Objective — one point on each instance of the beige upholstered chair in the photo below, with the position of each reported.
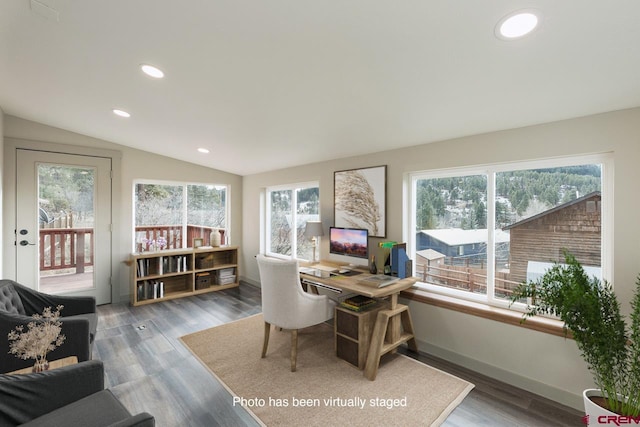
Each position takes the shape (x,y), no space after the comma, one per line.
(286,305)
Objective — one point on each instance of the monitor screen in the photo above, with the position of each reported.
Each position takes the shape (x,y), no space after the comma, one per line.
(349,245)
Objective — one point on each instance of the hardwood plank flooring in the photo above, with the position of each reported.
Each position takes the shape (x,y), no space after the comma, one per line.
(149,369)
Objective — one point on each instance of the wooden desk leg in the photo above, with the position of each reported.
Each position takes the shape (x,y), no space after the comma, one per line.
(387,336)
(393,300)
(393,327)
(407,326)
(393,330)
(375,346)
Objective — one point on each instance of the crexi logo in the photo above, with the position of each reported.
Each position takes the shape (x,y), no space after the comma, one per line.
(613,420)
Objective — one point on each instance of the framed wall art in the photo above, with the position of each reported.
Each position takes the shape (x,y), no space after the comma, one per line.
(360,199)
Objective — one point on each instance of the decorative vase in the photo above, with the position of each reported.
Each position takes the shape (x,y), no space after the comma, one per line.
(215,238)
(373,268)
(41,365)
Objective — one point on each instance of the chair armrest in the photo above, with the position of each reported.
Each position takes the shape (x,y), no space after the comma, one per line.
(143,419)
(35,302)
(77,342)
(24,397)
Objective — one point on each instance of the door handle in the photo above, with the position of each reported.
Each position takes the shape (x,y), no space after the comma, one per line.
(26,243)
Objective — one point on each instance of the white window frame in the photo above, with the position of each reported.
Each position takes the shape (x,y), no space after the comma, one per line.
(607,232)
(294,203)
(183,184)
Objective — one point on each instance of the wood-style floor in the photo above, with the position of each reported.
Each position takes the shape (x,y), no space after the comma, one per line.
(149,369)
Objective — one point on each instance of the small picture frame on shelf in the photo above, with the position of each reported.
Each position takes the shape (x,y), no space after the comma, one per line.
(198,242)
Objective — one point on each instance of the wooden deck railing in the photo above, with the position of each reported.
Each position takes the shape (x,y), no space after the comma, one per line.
(467,279)
(68,248)
(173,235)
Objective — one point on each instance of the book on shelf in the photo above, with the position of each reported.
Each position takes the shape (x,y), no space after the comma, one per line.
(358,303)
(143,267)
(175,264)
(149,289)
(226,272)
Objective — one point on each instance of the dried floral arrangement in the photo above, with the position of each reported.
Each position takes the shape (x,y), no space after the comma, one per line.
(41,337)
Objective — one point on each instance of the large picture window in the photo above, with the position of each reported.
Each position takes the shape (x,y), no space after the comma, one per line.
(288,210)
(171,215)
(478,232)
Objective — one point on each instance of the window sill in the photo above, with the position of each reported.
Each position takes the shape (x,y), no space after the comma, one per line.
(540,324)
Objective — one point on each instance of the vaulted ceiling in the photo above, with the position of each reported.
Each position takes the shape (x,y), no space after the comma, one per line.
(270,84)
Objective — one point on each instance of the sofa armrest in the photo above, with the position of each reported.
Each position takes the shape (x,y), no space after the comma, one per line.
(24,397)
(143,419)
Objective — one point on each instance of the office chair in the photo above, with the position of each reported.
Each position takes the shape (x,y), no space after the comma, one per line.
(286,305)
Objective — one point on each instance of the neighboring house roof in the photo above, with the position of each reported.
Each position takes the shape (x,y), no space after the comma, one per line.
(458,236)
(552,210)
(430,254)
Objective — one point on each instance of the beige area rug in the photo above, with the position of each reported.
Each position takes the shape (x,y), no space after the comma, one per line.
(325,391)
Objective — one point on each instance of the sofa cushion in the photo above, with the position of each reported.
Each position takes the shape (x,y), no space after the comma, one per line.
(10,301)
(97,410)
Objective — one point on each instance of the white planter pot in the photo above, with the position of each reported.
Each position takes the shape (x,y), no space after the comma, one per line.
(596,415)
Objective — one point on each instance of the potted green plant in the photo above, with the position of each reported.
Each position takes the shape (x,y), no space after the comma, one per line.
(590,310)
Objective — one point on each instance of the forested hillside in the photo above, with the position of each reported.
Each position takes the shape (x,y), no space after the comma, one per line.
(461,202)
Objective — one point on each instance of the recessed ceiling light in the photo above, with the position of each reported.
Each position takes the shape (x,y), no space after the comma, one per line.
(203,150)
(518,24)
(152,71)
(121,113)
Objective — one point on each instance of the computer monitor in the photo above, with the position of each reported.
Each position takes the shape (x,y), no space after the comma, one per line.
(349,245)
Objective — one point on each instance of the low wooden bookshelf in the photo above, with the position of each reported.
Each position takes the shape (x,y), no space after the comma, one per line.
(169,274)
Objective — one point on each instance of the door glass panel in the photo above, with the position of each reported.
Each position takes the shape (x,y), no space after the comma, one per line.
(66,227)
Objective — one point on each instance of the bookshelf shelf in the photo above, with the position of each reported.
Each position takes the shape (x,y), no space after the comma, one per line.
(164,275)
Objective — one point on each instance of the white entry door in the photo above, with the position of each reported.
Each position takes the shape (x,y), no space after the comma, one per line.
(63,223)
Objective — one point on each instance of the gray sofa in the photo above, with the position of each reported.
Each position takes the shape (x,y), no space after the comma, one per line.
(79,322)
(70,396)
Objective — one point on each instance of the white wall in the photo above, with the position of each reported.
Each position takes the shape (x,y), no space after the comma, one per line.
(131,164)
(546,364)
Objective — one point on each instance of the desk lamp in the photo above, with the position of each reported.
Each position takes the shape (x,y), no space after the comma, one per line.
(312,231)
